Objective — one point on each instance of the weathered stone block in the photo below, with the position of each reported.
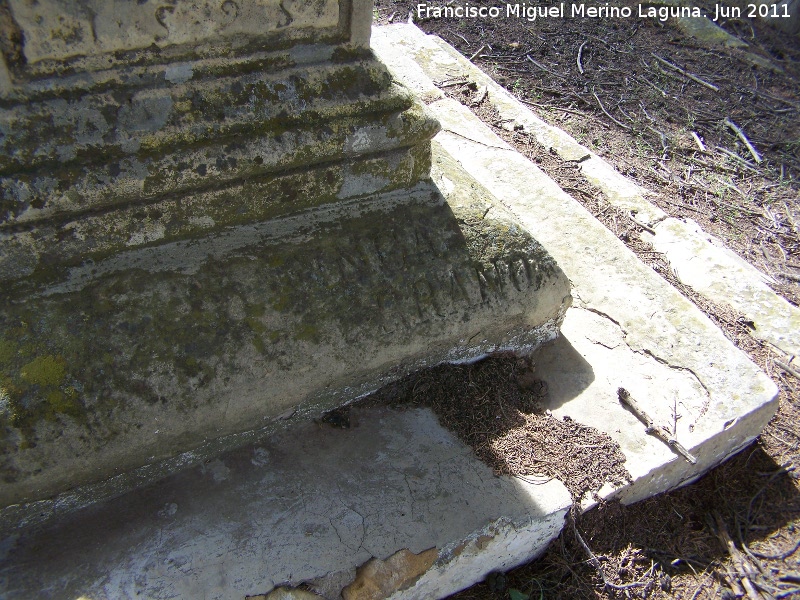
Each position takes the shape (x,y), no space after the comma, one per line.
(212,216)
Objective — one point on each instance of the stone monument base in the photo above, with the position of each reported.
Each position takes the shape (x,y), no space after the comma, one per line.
(150,360)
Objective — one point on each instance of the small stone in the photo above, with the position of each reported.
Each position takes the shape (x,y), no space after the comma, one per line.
(665,581)
(496,581)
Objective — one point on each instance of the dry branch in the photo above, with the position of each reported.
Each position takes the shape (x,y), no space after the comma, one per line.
(474,56)
(543,68)
(603,108)
(661,432)
(743,162)
(580,52)
(694,78)
(699,141)
(647,228)
(743,137)
(596,563)
(788,368)
(745,571)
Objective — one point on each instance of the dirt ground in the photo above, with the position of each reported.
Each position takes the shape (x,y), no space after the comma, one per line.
(664,109)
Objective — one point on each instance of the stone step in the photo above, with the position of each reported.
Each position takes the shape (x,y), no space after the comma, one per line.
(395,503)
(628,328)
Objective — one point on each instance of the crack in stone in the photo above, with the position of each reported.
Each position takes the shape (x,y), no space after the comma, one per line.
(584,306)
(648,352)
(461,135)
(362,517)
(706,402)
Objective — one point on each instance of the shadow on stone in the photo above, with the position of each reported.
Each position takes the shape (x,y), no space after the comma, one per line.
(307,502)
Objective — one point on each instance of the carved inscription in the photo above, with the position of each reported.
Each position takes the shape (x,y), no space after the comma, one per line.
(399,278)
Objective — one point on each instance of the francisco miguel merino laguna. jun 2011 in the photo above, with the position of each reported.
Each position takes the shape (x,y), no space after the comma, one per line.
(604,11)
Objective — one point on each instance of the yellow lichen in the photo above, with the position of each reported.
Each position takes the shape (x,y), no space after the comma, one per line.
(44,370)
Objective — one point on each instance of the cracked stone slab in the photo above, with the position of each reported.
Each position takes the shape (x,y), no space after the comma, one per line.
(628,327)
(310,504)
(702,264)
(701,261)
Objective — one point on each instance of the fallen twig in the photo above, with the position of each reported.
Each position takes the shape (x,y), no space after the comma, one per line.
(744,570)
(664,143)
(568,188)
(647,228)
(580,52)
(699,141)
(731,186)
(457,81)
(744,163)
(660,432)
(743,137)
(694,78)
(566,110)
(788,368)
(596,563)
(652,85)
(699,588)
(474,56)
(543,68)
(781,556)
(681,205)
(458,35)
(603,108)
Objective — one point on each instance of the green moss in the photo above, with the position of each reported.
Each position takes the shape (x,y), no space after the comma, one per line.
(44,371)
(282,303)
(255,325)
(256,310)
(7,351)
(308,332)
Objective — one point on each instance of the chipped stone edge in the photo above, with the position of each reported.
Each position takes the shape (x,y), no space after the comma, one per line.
(499,546)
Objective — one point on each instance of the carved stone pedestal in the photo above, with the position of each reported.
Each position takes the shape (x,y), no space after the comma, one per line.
(216,215)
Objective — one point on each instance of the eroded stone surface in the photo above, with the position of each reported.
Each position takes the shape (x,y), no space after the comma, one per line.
(302,505)
(704,264)
(129,360)
(378,579)
(205,228)
(59,29)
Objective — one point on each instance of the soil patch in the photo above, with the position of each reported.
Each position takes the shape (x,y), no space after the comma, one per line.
(495,406)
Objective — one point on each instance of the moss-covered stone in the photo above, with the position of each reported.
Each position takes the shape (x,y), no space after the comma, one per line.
(44,371)
(144,336)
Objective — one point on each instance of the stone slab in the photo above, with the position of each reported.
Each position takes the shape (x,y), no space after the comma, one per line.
(628,327)
(309,504)
(702,264)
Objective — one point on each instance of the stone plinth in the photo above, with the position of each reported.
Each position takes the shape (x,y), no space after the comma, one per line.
(215,217)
